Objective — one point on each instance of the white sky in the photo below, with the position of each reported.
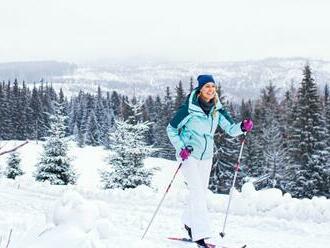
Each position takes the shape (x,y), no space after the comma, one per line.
(196,30)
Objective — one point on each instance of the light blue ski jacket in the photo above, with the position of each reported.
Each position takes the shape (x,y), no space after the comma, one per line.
(191,126)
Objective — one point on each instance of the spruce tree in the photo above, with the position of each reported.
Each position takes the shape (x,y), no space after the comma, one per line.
(54,165)
(271,137)
(162,142)
(327,114)
(93,133)
(13,166)
(275,156)
(191,85)
(149,107)
(180,96)
(309,156)
(116,103)
(36,120)
(3,113)
(128,150)
(225,157)
(7,128)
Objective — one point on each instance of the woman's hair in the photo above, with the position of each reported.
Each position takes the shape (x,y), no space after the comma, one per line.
(215,101)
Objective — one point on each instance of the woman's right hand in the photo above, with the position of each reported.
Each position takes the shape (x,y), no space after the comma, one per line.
(185,152)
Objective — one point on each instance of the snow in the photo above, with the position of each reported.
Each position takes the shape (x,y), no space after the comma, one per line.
(85,216)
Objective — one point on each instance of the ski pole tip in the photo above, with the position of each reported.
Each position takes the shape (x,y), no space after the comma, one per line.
(222,234)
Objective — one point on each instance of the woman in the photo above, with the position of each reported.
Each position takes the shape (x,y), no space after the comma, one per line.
(191,132)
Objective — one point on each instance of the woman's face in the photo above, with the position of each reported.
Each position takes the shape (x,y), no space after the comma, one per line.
(208,91)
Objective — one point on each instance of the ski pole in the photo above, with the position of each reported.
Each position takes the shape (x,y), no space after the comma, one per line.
(161,201)
(222,234)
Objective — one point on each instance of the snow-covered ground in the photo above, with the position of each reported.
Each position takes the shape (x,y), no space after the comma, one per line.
(39,215)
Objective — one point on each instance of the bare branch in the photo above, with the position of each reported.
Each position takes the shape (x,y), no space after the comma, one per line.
(11,231)
(14,149)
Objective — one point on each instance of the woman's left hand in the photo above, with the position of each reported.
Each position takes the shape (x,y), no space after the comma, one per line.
(247,125)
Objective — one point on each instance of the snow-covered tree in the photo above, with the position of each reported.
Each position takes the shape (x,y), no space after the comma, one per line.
(13,168)
(180,95)
(128,150)
(166,150)
(225,157)
(54,165)
(223,169)
(307,175)
(275,155)
(327,113)
(93,133)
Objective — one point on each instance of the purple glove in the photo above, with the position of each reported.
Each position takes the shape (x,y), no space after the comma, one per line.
(185,152)
(247,125)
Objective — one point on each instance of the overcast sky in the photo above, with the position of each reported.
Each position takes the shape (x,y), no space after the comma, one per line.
(189,30)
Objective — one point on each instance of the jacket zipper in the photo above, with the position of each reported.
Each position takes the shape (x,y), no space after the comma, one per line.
(206,139)
(204,147)
(211,124)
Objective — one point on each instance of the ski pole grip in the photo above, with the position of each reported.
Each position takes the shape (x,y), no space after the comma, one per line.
(190,148)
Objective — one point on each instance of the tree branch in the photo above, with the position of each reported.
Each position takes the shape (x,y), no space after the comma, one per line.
(14,149)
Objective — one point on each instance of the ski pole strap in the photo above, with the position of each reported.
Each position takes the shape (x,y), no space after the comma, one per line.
(237,165)
(243,140)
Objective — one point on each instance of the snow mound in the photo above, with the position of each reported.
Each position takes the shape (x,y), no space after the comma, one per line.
(75,224)
(272,203)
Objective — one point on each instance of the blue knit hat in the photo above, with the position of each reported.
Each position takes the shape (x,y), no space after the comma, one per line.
(204,79)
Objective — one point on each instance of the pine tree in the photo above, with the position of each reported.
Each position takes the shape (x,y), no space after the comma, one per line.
(13,166)
(180,96)
(129,149)
(162,142)
(15,111)
(271,137)
(116,103)
(307,176)
(36,120)
(93,133)
(225,158)
(7,131)
(261,146)
(149,108)
(275,155)
(25,112)
(86,107)
(191,88)
(63,100)
(3,113)
(54,165)
(327,114)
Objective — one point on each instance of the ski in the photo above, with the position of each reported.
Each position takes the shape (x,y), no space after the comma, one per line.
(190,241)
(209,245)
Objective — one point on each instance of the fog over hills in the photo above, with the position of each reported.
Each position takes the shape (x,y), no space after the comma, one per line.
(240,79)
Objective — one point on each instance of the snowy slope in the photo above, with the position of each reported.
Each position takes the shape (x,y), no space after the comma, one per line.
(84,216)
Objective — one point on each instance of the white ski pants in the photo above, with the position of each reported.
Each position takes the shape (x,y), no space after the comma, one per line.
(197,174)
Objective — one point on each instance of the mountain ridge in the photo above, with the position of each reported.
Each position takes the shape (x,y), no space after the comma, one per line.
(238,79)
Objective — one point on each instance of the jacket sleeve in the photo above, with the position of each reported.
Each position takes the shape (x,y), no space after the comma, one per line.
(177,122)
(228,124)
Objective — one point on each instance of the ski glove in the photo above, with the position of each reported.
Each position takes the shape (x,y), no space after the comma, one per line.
(247,125)
(185,152)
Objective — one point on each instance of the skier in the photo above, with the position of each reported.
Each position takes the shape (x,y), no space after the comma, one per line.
(191,132)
